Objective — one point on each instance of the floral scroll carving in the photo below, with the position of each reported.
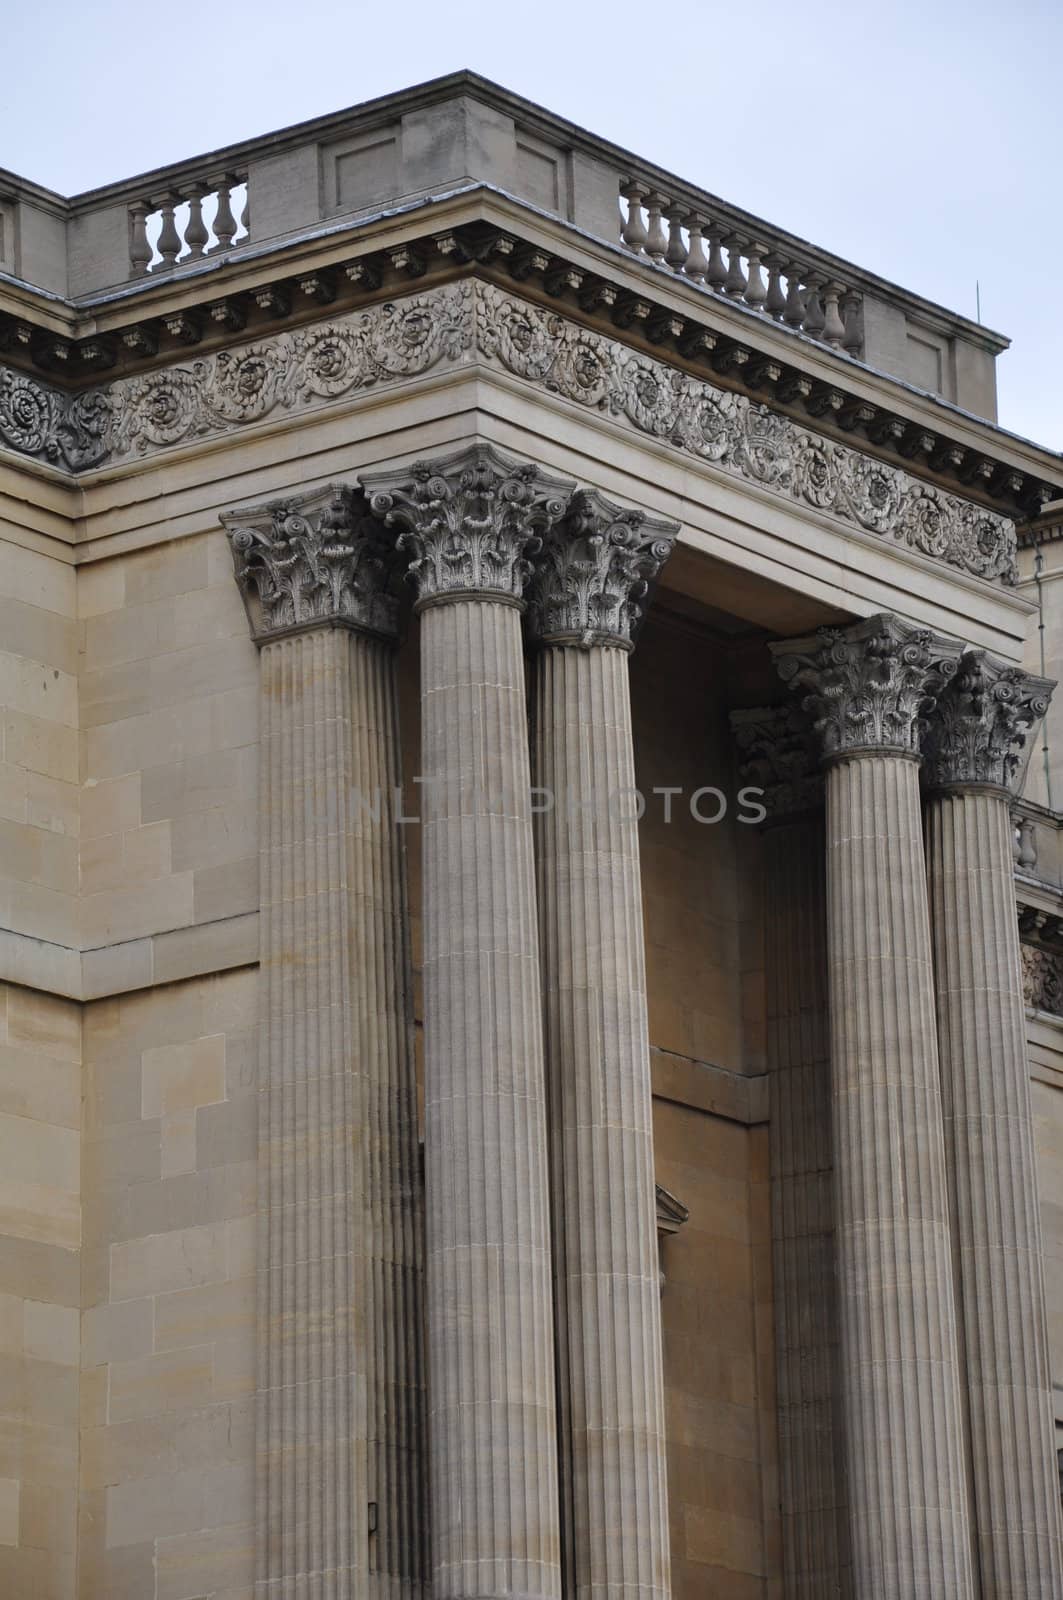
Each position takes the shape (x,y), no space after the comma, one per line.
(741,436)
(306,368)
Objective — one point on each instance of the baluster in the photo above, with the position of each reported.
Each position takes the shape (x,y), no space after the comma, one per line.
(735,282)
(756,289)
(852,315)
(697,261)
(717,273)
(245,214)
(224,221)
(140,251)
(196,233)
(676,254)
(633,233)
(168,243)
(833,326)
(775,300)
(814,318)
(794,312)
(656,243)
(1027,845)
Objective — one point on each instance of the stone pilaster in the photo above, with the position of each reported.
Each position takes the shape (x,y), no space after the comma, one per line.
(469,522)
(340,1416)
(586,598)
(972,749)
(776,754)
(866,688)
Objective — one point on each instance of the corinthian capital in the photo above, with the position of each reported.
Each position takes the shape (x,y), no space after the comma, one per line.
(869,686)
(590,581)
(470,521)
(777,754)
(978,730)
(313,560)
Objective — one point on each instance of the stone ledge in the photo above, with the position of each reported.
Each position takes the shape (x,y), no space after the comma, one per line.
(190,952)
(710,1088)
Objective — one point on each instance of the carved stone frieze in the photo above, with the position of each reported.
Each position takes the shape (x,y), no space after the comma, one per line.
(313,559)
(289,372)
(741,436)
(869,686)
(980,723)
(302,369)
(1042,978)
(591,579)
(470,521)
(777,754)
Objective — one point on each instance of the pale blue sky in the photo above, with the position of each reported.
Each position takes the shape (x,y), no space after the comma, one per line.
(924,141)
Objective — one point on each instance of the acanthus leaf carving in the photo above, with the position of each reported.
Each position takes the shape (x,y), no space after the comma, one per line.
(1042,978)
(868,687)
(978,732)
(590,581)
(777,754)
(312,560)
(469,521)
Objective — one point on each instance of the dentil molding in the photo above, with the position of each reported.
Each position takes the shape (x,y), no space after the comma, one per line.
(309,368)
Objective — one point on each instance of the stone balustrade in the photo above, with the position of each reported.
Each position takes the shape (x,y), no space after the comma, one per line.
(757,269)
(200,217)
(452,136)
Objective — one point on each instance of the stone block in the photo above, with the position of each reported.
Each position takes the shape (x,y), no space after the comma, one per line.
(52,1333)
(39,1087)
(229,889)
(150,1507)
(227,1132)
(199,1316)
(167,569)
(111,806)
(136,911)
(9,1510)
(195,1564)
(174,1380)
(48,1516)
(180,1077)
(123,1331)
(167,1261)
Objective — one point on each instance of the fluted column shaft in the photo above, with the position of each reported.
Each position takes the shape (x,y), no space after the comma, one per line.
(340,1405)
(814,1527)
(383,1045)
(598,1073)
(990,1150)
(313,1336)
(899,1358)
(867,689)
(491,1359)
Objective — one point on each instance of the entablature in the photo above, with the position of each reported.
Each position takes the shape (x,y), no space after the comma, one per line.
(211,306)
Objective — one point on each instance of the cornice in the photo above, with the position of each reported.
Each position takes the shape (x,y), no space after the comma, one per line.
(477,231)
(325,362)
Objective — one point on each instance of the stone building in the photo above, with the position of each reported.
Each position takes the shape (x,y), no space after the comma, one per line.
(418,1175)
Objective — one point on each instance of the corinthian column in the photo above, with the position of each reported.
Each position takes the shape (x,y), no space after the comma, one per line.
(340,1362)
(866,687)
(972,751)
(585,599)
(777,756)
(469,521)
